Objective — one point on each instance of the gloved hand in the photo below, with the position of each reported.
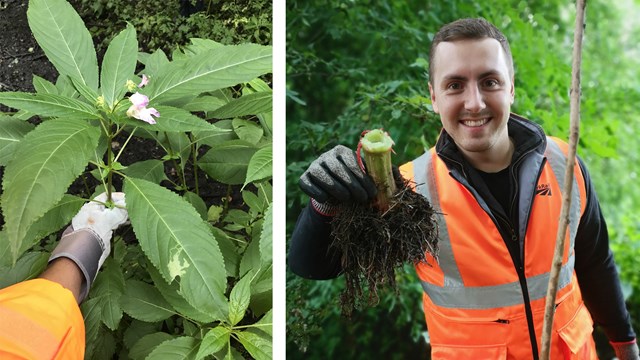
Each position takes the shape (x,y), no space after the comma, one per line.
(336,176)
(87,242)
(626,350)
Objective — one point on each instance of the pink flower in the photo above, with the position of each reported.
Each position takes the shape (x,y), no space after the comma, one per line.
(145,81)
(139,109)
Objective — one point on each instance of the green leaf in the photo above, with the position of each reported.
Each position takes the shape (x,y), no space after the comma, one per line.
(44,86)
(197,203)
(143,347)
(53,220)
(250,104)
(27,267)
(213,138)
(144,302)
(155,62)
(46,162)
(171,293)
(119,65)
(259,346)
(228,162)
(178,243)
(229,250)
(211,70)
(266,237)
(86,92)
(109,287)
(213,341)
(265,324)
(137,330)
(183,348)
(11,132)
(248,131)
(204,103)
(260,165)
(91,311)
(65,40)
(150,170)
(173,119)
(49,105)
(240,298)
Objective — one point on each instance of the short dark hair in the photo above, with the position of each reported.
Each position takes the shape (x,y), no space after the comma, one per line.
(467,29)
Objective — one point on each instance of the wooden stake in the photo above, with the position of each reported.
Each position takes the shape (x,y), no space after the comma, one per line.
(568,182)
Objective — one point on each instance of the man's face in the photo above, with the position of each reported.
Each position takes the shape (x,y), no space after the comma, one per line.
(472,91)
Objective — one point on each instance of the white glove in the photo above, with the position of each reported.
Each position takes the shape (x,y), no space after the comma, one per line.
(87,242)
(95,216)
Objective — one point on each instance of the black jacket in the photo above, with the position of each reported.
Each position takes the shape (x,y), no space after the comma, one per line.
(311,257)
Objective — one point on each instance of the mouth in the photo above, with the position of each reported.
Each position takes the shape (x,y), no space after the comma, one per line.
(475,122)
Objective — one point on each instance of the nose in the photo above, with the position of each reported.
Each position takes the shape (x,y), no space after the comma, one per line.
(474,101)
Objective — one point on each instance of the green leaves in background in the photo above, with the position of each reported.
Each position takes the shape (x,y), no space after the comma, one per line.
(46,162)
(61,33)
(118,65)
(179,244)
(211,70)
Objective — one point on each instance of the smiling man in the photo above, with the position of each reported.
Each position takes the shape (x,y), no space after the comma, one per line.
(495,181)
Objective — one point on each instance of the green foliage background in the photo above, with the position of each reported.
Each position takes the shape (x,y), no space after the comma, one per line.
(359,65)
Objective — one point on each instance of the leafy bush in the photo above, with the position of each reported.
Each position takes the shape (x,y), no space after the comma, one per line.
(167,24)
(193,278)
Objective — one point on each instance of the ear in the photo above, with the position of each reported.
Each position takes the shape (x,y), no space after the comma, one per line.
(434,104)
(513,89)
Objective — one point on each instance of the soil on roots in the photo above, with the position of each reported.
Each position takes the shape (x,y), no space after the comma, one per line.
(374,244)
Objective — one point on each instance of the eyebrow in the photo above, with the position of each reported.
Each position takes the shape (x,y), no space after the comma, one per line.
(459,77)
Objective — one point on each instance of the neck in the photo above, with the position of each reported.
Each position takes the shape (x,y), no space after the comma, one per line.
(495,159)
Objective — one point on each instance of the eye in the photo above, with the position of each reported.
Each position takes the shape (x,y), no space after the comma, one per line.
(490,83)
(454,86)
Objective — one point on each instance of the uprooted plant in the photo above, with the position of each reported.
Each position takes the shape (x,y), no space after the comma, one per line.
(375,239)
(194,280)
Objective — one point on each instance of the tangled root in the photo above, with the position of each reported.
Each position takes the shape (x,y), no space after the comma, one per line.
(373,243)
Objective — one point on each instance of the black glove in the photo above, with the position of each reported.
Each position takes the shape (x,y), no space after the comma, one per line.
(336,176)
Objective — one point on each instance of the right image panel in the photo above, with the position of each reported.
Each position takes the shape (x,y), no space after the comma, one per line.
(457,186)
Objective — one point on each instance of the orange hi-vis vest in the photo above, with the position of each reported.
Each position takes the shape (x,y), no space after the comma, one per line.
(474,297)
(39,319)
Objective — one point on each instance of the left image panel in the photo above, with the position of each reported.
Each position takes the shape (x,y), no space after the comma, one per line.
(136,171)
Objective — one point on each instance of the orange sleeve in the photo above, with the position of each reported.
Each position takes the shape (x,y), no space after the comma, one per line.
(40,320)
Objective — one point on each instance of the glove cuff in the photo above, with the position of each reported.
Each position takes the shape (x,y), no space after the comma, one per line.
(627,350)
(325,209)
(84,247)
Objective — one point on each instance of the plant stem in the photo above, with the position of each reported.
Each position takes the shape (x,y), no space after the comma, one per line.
(377,154)
(125,144)
(194,151)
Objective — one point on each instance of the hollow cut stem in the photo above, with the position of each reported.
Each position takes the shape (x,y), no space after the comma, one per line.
(376,145)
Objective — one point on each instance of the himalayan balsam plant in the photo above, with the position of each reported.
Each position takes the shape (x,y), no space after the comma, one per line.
(195,282)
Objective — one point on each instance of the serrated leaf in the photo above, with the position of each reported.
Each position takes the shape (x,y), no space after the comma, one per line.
(118,65)
(50,158)
(138,329)
(183,348)
(53,220)
(211,70)
(155,62)
(213,341)
(150,170)
(27,267)
(259,85)
(109,287)
(260,347)
(91,313)
(144,302)
(179,244)
(86,92)
(173,119)
(240,298)
(65,40)
(171,293)
(44,86)
(228,162)
(49,105)
(248,131)
(260,166)
(145,345)
(214,138)
(250,104)
(197,203)
(266,237)
(204,103)
(11,132)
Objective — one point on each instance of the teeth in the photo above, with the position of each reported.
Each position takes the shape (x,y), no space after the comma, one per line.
(475,123)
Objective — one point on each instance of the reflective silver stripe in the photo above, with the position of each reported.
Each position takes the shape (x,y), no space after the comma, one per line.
(425,179)
(558,162)
(454,294)
(488,297)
